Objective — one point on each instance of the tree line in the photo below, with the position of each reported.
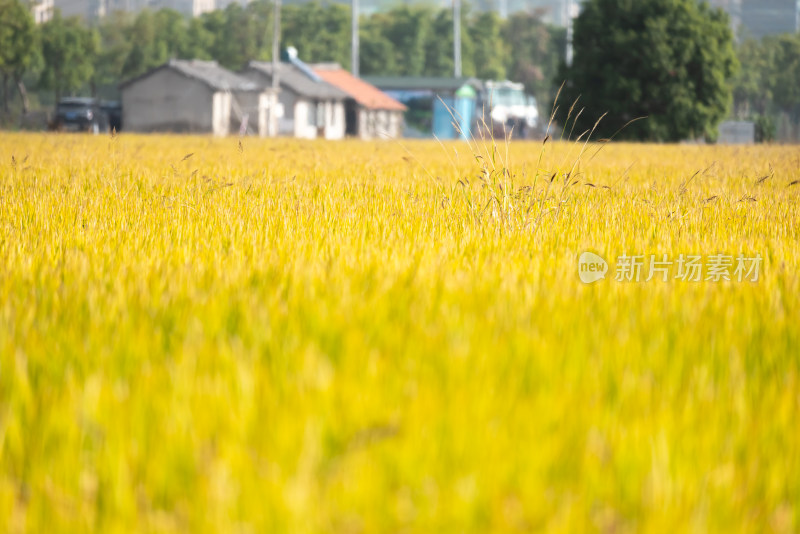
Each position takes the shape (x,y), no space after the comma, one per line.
(65,56)
(673,61)
(670,70)
(768,83)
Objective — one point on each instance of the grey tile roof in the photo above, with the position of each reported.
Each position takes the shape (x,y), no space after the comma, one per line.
(208,72)
(291,77)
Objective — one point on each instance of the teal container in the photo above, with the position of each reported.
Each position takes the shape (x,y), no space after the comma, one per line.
(465,110)
(443,111)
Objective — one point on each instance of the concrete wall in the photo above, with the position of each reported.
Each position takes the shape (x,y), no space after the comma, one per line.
(303,128)
(221,113)
(257,108)
(300,114)
(285,123)
(379,124)
(334,116)
(170,102)
(313,119)
(396,124)
(267,114)
(737,133)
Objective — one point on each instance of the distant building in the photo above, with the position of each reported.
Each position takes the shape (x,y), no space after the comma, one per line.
(733,8)
(92,10)
(759,18)
(737,133)
(312,108)
(369,112)
(769,17)
(42,11)
(88,10)
(197,97)
(189,8)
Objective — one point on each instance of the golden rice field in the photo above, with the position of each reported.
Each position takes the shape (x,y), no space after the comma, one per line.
(347,337)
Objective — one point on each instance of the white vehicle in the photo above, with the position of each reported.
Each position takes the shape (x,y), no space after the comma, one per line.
(509,106)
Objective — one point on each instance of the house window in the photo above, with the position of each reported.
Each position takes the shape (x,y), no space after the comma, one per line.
(316,114)
(321,114)
(312,114)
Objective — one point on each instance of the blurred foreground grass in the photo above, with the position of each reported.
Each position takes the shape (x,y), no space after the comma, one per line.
(354,337)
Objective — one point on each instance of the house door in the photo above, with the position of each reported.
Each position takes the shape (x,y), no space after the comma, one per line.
(350,117)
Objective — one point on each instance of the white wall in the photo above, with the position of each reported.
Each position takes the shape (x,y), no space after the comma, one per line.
(396,124)
(334,120)
(168,102)
(221,114)
(302,113)
(256,105)
(287,122)
(43,11)
(298,112)
(379,124)
(268,112)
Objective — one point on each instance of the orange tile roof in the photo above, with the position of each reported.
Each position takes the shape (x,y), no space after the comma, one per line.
(365,94)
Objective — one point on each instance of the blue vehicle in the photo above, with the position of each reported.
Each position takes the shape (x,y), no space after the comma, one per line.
(80,115)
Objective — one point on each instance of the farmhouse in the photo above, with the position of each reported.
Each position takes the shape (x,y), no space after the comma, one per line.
(312,107)
(369,112)
(197,97)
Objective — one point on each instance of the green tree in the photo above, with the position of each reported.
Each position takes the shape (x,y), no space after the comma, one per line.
(68,50)
(535,52)
(669,60)
(115,46)
(157,36)
(439,45)
(260,12)
(489,50)
(147,52)
(408,29)
(235,36)
(376,51)
(784,51)
(320,34)
(198,40)
(18,47)
(751,88)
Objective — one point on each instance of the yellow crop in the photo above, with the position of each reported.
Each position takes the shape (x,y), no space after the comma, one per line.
(285,336)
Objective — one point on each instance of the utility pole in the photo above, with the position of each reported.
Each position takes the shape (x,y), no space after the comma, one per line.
(568,9)
(276,52)
(354,60)
(457,38)
(276,41)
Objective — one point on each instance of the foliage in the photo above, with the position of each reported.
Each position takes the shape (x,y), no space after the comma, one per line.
(320,34)
(667,60)
(489,51)
(681,87)
(68,51)
(767,84)
(535,51)
(369,337)
(406,40)
(238,34)
(18,43)
(376,50)
(409,29)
